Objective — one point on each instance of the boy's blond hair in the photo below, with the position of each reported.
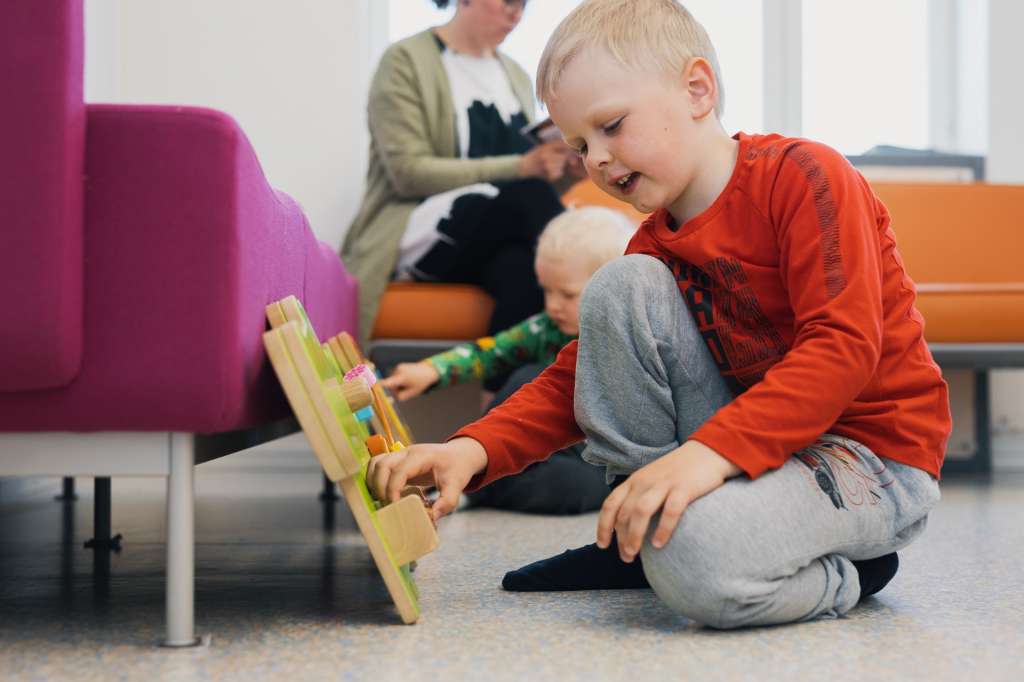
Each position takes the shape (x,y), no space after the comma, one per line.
(594,234)
(637,33)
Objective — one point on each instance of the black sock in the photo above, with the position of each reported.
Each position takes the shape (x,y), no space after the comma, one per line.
(874,574)
(583,568)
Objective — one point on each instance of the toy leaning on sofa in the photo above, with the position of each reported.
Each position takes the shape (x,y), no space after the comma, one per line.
(569,250)
(334,394)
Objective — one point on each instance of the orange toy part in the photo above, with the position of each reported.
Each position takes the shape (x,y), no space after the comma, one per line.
(377,445)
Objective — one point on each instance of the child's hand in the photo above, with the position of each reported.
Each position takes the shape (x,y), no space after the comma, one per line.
(410,379)
(670,484)
(448,466)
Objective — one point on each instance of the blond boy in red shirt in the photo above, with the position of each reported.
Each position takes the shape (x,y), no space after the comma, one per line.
(754,373)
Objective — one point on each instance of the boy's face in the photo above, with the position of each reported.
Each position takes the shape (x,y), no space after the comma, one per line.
(562,280)
(638,132)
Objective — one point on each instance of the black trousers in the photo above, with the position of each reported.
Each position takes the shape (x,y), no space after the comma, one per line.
(491,242)
(563,484)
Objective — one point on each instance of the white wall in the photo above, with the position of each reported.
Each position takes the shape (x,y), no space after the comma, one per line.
(1006,96)
(1006,164)
(102,47)
(294,74)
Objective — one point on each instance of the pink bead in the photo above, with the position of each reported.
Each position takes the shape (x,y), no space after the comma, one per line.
(361,371)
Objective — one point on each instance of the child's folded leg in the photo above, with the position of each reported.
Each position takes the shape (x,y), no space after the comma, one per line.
(584,568)
(784,548)
(643,386)
(632,404)
(564,484)
(645,379)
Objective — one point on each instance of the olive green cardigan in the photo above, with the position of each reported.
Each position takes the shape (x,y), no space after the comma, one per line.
(413,155)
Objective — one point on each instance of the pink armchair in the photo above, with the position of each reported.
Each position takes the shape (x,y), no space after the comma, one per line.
(139,247)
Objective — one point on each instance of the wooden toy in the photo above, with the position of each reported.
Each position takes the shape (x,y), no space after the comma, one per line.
(344,345)
(313,380)
(346,354)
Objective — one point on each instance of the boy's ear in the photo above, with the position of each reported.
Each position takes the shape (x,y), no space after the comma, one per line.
(701,86)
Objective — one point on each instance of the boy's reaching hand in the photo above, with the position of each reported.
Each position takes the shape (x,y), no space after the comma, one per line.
(410,379)
(669,484)
(448,466)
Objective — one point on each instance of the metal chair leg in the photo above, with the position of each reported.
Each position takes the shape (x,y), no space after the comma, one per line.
(330,491)
(67,490)
(181,544)
(101,539)
(982,422)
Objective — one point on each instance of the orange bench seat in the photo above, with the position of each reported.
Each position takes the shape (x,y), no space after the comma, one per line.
(414,310)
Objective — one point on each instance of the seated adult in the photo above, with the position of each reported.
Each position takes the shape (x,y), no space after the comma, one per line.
(455,193)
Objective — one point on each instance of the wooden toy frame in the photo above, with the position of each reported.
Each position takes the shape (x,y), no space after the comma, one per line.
(312,375)
(343,348)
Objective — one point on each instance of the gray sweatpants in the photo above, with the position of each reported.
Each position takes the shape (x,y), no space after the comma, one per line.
(774,550)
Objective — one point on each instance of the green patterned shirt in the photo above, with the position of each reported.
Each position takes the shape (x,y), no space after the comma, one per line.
(536,339)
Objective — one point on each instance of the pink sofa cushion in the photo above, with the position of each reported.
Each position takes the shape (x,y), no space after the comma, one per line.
(185,245)
(42,138)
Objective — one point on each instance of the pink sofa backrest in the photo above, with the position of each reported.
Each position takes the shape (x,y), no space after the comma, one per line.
(42,148)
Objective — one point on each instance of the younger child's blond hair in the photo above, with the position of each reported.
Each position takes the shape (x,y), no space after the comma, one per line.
(594,234)
(639,34)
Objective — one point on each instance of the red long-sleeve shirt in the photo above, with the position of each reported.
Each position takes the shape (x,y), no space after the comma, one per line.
(794,280)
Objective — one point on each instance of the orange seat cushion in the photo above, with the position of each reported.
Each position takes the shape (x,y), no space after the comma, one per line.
(957,233)
(961,246)
(413,310)
(965,313)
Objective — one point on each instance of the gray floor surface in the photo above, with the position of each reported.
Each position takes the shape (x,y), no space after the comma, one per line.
(284,596)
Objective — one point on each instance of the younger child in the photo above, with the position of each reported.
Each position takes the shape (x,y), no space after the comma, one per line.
(754,372)
(571,247)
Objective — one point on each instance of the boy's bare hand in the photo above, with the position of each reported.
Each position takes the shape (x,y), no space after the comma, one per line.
(448,466)
(669,484)
(410,379)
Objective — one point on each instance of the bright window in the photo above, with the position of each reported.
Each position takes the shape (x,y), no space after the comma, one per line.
(734,27)
(865,73)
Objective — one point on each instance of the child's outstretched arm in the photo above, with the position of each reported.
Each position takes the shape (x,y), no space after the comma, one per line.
(669,484)
(484,358)
(448,466)
(534,422)
(410,379)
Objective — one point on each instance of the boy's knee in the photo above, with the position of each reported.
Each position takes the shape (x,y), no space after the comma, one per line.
(628,272)
(697,578)
(623,282)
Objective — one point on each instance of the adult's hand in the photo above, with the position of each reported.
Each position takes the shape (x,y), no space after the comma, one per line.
(547,161)
(575,167)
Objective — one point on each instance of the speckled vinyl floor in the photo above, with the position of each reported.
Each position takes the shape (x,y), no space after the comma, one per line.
(283,598)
